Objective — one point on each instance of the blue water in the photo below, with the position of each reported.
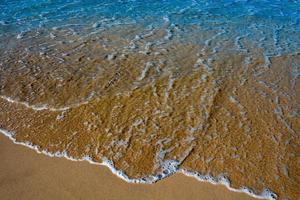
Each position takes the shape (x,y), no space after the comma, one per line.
(273,25)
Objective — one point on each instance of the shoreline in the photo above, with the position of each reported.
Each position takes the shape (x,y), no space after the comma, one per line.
(219,181)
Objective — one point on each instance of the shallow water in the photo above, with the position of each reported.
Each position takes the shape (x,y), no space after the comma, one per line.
(154,87)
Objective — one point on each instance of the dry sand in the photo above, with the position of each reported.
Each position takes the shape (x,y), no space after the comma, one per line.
(25,174)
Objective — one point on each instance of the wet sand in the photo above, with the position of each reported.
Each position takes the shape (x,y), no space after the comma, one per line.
(154,110)
(24,174)
(218,120)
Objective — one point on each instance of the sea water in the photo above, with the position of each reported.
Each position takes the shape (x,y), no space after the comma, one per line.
(150,88)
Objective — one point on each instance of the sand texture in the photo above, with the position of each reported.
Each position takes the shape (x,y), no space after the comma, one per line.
(24,174)
(223,108)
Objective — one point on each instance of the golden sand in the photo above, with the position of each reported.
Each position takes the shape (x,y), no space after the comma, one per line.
(42,177)
(238,119)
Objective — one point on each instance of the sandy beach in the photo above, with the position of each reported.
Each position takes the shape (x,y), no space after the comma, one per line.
(162,93)
(25,174)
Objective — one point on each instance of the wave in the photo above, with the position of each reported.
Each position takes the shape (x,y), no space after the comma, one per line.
(170,168)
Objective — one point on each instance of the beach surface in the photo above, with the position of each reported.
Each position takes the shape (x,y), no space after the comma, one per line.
(210,89)
(24,174)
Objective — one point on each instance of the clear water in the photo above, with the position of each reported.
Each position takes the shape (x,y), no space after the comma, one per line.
(274,25)
(208,88)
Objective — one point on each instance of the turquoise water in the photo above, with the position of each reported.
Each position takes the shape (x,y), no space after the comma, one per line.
(49,28)
(273,25)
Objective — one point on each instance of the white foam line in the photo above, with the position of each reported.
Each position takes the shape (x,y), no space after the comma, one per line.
(168,168)
(145,71)
(223,180)
(43,106)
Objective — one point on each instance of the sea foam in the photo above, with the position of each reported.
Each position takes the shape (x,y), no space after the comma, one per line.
(169,167)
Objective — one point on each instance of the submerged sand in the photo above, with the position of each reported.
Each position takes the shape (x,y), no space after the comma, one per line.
(218,113)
